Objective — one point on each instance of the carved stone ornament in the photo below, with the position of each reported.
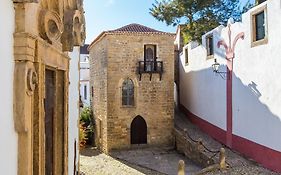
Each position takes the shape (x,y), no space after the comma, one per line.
(25,80)
(50,25)
(74,29)
(32,80)
(79,28)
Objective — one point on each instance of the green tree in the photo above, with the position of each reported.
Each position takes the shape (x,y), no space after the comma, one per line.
(200,16)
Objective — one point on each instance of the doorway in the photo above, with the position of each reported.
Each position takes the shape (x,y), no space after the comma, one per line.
(55,138)
(138,131)
(49,121)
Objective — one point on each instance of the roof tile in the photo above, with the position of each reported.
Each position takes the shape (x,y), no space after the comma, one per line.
(135,28)
(131,29)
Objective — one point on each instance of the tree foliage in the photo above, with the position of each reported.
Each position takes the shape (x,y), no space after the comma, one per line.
(200,16)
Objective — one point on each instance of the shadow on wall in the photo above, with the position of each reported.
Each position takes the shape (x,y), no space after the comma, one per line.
(252,118)
(254,124)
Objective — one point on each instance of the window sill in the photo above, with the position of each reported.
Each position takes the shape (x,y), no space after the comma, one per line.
(128,106)
(259,42)
(210,57)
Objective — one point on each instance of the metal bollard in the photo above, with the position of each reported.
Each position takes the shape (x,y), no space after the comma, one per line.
(181,168)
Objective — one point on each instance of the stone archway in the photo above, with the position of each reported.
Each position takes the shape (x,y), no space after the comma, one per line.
(138,131)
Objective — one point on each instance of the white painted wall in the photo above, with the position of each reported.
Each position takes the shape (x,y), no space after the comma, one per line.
(8,135)
(85,99)
(201,91)
(256,84)
(85,79)
(73,109)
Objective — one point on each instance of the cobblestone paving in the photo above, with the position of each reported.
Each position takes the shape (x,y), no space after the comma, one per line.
(238,164)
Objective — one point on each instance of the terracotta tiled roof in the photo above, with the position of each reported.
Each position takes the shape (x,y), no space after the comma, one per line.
(131,29)
(135,28)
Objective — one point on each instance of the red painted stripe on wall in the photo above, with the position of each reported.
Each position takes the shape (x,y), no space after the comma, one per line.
(267,157)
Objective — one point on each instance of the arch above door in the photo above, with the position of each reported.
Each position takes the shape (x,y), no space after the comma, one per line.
(138,131)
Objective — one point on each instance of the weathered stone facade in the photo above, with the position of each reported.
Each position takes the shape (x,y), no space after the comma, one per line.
(45,31)
(114,57)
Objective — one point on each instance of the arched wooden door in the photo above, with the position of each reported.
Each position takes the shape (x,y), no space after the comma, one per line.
(138,131)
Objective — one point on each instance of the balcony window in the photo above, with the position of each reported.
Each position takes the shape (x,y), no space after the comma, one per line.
(149,57)
(150,64)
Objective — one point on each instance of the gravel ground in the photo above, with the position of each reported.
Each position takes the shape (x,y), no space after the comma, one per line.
(164,159)
(92,162)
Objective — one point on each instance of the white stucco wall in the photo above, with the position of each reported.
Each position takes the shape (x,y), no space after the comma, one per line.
(73,109)
(8,136)
(202,92)
(85,100)
(256,85)
(85,79)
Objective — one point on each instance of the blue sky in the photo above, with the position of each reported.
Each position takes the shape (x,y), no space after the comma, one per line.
(104,15)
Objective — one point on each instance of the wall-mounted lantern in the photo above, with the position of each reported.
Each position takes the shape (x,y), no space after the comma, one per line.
(215,67)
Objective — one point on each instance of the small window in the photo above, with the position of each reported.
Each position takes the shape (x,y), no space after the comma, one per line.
(85,92)
(128,93)
(186,56)
(259,26)
(210,45)
(92,91)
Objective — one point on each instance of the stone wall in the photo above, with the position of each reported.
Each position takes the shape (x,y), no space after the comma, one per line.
(98,76)
(192,150)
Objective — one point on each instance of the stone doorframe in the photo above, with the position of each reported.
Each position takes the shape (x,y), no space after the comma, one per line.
(45,31)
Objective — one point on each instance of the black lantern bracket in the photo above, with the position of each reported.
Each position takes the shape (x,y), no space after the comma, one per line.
(216,67)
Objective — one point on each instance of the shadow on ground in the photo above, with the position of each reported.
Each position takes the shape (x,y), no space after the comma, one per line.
(162,160)
(89,152)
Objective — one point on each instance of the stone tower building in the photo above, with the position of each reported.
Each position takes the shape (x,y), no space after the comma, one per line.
(132,79)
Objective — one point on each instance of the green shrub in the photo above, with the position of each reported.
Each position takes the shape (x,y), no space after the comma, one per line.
(86,116)
(86,120)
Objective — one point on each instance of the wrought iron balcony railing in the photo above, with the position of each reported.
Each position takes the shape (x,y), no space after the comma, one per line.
(150,67)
